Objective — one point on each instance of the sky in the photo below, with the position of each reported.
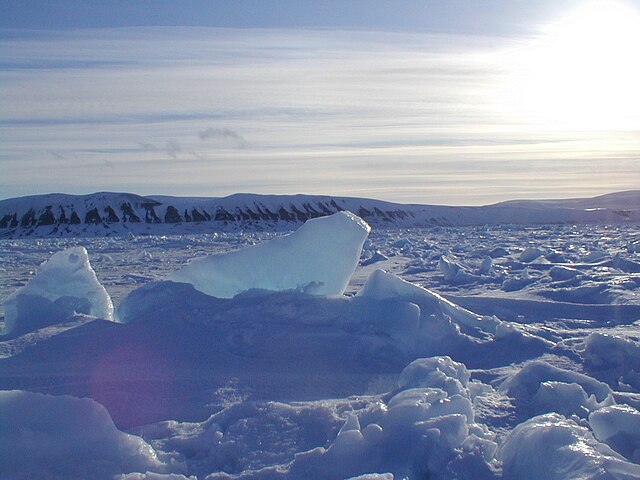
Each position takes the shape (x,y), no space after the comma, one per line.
(443,102)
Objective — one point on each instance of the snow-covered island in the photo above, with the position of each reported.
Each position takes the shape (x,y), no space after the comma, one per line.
(333,352)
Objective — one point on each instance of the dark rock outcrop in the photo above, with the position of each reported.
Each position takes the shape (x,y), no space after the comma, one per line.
(28,218)
(197,216)
(172,215)
(92,217)
(47,217)
(128,214)
(111,215)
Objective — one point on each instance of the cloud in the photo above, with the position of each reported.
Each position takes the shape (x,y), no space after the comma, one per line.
(147,146)
(378,114)
(172,149)
(223,134)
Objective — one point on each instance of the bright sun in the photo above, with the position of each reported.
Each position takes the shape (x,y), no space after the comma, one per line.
(584,71)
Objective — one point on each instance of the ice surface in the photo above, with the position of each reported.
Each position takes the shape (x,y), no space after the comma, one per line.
(425,419)
(559,272)
(45,436)
(152,476)
(454,273)
(64,284)
(526,382)
(624,264)
(618,357)
(416,433)
(383,285)
(619,427)
(440,372)
(555,448)
(398,380)
(530,254)
(449,268)
(376,257)
(567,399)
(373,476)
(318,258)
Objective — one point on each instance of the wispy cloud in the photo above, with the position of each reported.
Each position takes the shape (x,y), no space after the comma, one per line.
(173,148)
(406,117)
(223,134)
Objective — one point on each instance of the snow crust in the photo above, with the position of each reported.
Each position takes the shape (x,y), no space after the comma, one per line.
(64,284)
(318,258)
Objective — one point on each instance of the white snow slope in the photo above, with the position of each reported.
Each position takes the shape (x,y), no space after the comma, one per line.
(504,352)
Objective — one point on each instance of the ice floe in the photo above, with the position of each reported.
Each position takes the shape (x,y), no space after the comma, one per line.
(318,258)
(64,284)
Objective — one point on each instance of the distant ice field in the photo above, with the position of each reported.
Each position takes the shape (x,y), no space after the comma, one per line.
(573,263)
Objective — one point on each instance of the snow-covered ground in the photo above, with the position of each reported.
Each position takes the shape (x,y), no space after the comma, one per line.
(484,352)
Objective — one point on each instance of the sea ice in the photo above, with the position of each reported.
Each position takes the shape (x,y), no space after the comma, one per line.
(383,285)
(456,274)
(555,448)
(153,476)
(318,258)
(449,268)
(527,381)
(45,436)
(419,433)
(376,257)
(560,273)
(518,282)
(298,387)
(615,357)
(530,254)
(619,427)
(567,399)
(624,264)
(64,284)
(441,372)
(486,266)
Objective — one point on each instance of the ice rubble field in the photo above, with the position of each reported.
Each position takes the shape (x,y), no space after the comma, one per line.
(481,353)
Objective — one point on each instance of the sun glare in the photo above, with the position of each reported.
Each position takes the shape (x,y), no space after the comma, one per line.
(583,72)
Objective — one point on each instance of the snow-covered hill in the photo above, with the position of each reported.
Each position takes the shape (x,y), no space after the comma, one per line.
(109,213)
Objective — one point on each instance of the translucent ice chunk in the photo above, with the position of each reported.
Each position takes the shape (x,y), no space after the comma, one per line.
(65,283)
(319,258)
